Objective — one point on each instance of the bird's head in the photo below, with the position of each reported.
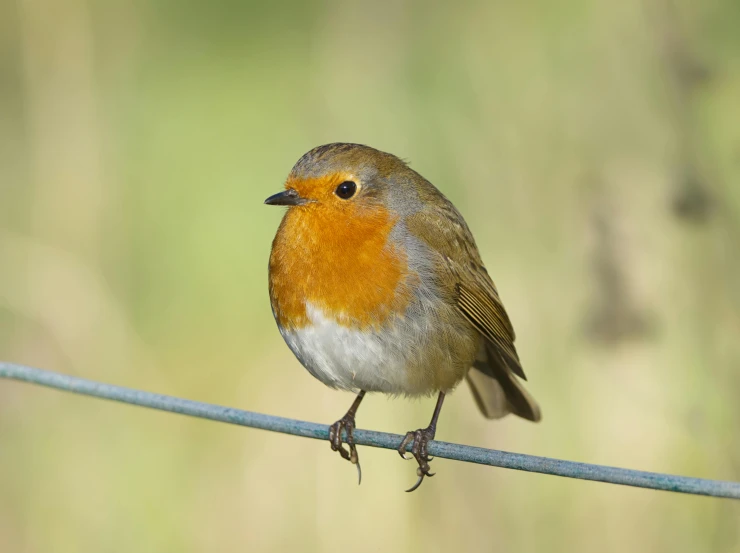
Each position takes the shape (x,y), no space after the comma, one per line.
(345,179)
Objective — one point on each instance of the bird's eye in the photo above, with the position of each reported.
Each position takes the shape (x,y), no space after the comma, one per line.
(346,190)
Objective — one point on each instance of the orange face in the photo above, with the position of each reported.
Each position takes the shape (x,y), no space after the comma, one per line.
(323,189)
(332,252)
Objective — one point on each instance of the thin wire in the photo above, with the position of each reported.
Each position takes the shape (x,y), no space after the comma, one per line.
(492,457)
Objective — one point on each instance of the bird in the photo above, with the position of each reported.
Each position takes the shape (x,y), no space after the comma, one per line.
(377,285)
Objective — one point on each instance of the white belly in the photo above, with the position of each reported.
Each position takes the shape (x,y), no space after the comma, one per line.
(350,359)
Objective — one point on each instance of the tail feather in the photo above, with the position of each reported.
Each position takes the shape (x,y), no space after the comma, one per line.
(496,389)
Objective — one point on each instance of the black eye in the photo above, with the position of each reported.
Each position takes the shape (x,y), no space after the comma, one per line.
(346,190)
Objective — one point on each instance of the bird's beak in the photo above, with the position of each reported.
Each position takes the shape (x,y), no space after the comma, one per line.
(287,197)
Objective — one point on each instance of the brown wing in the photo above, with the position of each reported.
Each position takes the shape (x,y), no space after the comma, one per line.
(492,379)
(487,314)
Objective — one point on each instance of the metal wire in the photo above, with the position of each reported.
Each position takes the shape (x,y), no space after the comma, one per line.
(492,457)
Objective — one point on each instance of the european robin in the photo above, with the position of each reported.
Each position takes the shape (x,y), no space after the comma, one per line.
(377,285)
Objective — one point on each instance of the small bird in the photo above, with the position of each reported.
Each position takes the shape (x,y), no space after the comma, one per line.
(376,285)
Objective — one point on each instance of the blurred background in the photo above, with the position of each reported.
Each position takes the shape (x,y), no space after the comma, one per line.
(594,148)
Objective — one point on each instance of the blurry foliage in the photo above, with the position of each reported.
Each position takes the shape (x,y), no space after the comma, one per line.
(137,142)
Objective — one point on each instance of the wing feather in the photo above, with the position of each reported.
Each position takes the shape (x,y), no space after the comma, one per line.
(487,314)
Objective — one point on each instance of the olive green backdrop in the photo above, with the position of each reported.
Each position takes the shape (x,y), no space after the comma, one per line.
(594,148)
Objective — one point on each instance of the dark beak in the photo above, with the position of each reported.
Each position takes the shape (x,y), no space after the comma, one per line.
(288,197)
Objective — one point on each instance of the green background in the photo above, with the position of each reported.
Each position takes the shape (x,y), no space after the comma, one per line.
(594,149)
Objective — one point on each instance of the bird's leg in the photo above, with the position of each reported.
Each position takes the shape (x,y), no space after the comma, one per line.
(419,439)
(347,423)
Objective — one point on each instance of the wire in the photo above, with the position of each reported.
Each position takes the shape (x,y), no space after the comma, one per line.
(492,457)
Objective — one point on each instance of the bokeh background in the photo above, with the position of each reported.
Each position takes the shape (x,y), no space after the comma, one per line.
(594,148)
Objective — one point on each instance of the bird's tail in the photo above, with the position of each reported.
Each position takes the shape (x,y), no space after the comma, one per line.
(496,388)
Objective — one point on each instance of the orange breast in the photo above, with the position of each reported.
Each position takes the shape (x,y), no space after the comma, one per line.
(340,261)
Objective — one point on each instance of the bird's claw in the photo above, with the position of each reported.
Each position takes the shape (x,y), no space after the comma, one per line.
(419,440)
(346,423)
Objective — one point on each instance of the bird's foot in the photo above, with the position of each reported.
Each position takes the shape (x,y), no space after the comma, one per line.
(347,424)
(419,440)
